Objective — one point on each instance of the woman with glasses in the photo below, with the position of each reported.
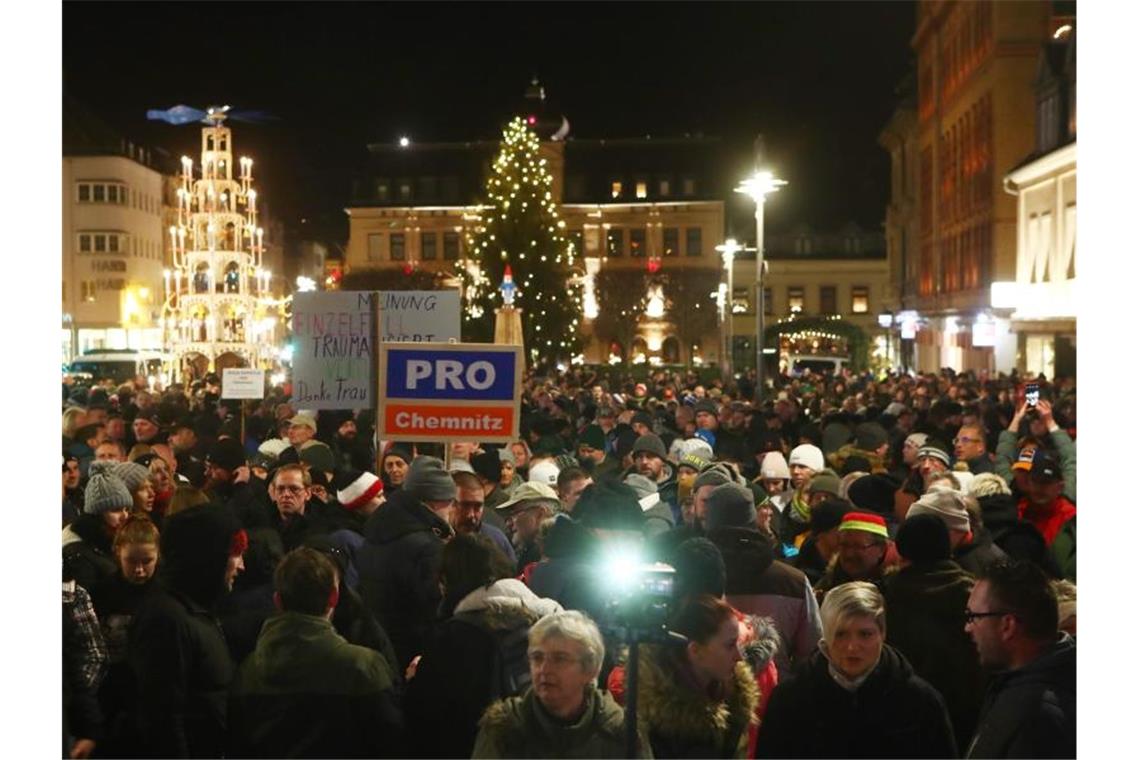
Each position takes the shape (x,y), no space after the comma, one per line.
(857,696)
(563,714)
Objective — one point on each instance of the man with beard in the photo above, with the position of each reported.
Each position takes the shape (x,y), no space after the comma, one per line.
(1030,707)
(649,460)
(468,514)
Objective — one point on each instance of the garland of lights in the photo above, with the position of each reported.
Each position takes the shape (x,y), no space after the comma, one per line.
(831,327)
(519,226)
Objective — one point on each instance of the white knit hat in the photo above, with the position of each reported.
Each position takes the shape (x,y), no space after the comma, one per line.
(807,455)
(774,467)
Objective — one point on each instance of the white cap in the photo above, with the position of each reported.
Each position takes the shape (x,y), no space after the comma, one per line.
(544,472)
(696,446)
(273,447)
(773,467)
(808,456)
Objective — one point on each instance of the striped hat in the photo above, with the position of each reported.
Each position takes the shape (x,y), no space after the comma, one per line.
(359,490)
(934,450)
(864,521)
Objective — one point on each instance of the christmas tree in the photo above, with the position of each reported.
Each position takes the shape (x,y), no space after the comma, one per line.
(519,227)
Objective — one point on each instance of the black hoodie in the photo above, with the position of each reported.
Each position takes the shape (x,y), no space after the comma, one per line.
(176,647)
(1032,711)
(399,570)
(1016,537)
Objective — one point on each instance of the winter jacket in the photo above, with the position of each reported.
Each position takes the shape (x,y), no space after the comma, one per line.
(1031,711)
(979,553)
(457,675)
(521,727)
(1006,454)
(679,721)
(87,552)
(84,664)
(925,622)
(399,571)
(838,459)
(246,501)
(756,584)
(1064,550)
(1049,519)
(1018,538)
(893,713)
(809,561)
(175,645)
(306,692)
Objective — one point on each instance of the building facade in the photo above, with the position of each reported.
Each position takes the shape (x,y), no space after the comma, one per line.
(1041,298)
(839,274)
(976,63)
(113,239)
(645,216)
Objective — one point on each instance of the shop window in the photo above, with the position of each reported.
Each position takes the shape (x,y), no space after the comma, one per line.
(860,299)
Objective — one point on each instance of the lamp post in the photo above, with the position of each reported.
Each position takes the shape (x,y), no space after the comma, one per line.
(757,187)
(728,251)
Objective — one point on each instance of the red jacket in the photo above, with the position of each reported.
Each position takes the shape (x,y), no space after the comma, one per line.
(1048,520)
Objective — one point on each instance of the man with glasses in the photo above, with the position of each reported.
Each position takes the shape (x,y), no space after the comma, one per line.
(1030,707)
(294,514)
(865,552)
(970,447)
(467,515)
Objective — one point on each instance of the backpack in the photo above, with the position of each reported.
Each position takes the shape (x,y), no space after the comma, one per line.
(510,669)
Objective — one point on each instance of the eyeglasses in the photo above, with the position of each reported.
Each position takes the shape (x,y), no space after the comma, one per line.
(972,617)
(962,439)
(290,489)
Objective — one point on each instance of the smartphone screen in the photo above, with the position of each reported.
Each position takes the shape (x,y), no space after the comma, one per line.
(1032,394)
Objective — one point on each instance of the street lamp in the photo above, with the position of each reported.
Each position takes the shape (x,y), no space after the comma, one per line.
(757,187)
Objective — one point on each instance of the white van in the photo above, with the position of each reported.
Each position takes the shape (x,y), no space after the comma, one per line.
(800,364)
(116,364)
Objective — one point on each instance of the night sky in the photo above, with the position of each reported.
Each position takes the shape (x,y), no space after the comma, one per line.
(818,79)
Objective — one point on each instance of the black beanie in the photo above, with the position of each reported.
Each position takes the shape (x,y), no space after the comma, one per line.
(828,514)
(609,506)
(873,493)
(923,539)
(488,465)
(699,568)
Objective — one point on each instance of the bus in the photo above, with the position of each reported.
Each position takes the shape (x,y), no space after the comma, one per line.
(118,365)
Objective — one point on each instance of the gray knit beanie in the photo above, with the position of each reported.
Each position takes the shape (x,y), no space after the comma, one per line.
(428,480)
(730,506)
(106,492)
(651,443)
(131,473)
(714,475)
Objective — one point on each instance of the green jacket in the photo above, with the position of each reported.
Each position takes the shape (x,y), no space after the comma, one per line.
(1006,454)
(520,727)
(306,692)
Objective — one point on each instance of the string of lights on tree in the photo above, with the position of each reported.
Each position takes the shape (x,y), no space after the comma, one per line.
(519,227)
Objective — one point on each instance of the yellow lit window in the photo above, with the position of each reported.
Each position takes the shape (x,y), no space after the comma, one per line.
(615,190)
(860,300)
(642,191)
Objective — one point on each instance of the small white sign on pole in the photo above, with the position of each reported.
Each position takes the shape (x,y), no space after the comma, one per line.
(243,383)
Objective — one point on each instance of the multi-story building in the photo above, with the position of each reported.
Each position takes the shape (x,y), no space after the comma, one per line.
(810,273)
(900,138)
(113,238)
(975,64)
(645,215)
(1042,294)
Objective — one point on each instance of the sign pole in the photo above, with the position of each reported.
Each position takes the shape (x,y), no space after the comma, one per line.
(375,383)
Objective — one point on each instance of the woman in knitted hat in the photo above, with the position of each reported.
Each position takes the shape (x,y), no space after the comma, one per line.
(87,557)
(857,696)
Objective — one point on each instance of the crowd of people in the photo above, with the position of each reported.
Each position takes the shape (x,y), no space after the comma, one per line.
(859,566)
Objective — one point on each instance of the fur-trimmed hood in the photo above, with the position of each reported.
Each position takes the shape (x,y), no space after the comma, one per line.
(674,714)
(506,603)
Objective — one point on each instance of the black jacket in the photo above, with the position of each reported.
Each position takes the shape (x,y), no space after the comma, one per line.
(1031,711)
(176,647)
(893,713)
(925,622)
(87,556)
(979,554)
(399,571)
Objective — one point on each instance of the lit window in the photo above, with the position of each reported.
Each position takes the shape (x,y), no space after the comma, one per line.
(860,300)
(740,303)
(88,290)
(795,300)
(615,189)
(642,190)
